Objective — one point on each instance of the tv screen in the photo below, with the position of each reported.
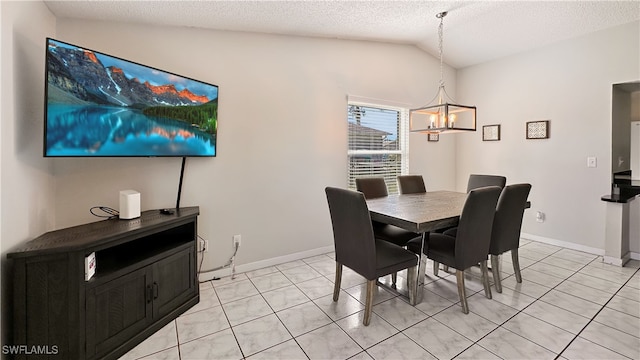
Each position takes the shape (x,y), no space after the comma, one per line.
(101,105)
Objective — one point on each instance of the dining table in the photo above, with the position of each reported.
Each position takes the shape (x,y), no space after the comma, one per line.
(420,213)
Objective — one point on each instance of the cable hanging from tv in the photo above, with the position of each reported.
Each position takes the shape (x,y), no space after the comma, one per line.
(184,160)
(110,212)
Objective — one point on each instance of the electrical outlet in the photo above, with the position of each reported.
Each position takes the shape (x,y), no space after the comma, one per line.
(540,217)
(236,240)
(203,245)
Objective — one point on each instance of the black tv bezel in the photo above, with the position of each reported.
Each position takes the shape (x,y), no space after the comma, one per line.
(45,116)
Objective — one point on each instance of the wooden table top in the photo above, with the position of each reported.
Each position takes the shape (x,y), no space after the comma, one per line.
(419,212)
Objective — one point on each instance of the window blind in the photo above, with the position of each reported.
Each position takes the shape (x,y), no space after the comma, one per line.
(377,143)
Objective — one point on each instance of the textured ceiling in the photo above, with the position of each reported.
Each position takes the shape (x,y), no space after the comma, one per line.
(474,31)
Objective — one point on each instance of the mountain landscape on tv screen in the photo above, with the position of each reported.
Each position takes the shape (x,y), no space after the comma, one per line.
(97,108)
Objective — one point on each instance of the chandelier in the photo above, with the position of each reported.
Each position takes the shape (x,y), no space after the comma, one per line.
(442,114)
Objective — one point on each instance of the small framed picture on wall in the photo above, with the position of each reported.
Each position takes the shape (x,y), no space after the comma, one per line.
(538,129)
(433,137)
(491,133)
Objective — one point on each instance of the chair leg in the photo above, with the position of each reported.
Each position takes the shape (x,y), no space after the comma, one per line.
(516,264)
(436,266)
(496,272)
(336,285)
(371,284)
(394,280)
(412,274)
(446,268)
(461,291)
(485,279)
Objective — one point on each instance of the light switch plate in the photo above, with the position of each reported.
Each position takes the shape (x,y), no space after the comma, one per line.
(592,161)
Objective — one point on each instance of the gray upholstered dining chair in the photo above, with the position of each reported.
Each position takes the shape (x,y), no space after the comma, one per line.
(470,245)
(478,181)
(358,249)
(375,187)
(372,187)
(507,223)
(411,184)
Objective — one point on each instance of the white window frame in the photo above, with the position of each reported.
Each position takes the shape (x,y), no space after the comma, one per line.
(403,142)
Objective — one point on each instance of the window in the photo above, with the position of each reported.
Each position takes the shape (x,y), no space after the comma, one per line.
(378,143)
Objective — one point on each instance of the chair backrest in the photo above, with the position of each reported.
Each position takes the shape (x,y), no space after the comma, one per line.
(478,181)
(411,184)
(372,187)
(474,228)
(352,231)
(508,220)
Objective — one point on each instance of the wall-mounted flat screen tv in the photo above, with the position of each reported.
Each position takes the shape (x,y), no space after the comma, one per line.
(98,105)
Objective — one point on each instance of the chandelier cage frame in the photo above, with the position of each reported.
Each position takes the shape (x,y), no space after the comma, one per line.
(445,115)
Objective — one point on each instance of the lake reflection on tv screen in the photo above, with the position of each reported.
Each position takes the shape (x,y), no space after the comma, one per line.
(112,131)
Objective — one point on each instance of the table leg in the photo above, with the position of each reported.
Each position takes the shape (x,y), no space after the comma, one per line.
(415,296)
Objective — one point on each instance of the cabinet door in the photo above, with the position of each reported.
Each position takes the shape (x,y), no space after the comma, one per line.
(118,310)
(174,281)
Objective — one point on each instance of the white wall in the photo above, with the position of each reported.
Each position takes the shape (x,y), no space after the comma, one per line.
(26,185)
(569,83)
(282,131)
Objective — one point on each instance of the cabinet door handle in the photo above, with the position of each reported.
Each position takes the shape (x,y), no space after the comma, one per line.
(155,290)
(149,293)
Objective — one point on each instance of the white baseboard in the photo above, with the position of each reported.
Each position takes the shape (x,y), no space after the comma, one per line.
(564,244)
(206,276)
(615,261)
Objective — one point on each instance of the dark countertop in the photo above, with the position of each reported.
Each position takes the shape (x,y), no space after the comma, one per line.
(619,198)
(627,188)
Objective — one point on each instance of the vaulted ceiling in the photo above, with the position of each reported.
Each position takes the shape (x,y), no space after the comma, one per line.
(474,31)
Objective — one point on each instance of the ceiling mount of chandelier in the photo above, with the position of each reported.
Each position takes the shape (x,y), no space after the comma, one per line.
(442,114)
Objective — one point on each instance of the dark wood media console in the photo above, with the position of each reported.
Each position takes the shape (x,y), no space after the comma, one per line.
(146,276)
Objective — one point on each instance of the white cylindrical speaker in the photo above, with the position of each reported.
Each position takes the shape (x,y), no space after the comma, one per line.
(129,204)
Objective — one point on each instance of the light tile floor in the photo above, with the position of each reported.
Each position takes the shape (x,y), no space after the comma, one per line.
(569,306)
